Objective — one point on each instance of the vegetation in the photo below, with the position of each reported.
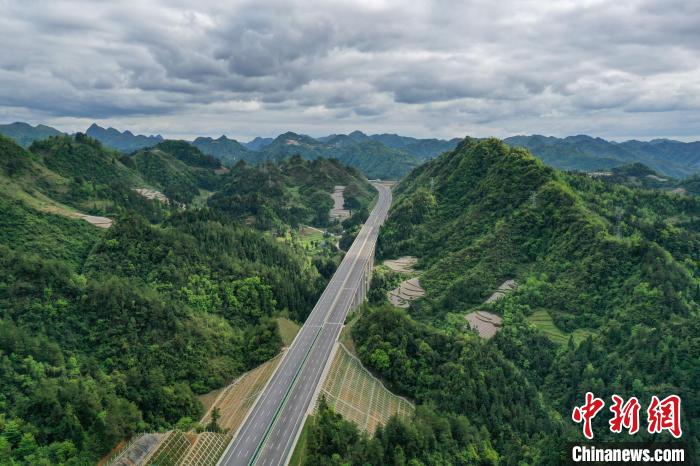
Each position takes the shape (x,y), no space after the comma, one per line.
(671,158)
(372,158)
(123,142)
(614,268)
(228,151)
(104,333)
(177,180)
(25,134)
(293,192)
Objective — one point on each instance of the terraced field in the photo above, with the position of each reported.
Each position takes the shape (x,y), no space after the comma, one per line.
(485,323)
(358,396)
(406,292)
(543,320)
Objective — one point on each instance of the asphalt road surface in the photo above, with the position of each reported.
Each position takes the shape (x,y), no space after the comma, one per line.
(268,435)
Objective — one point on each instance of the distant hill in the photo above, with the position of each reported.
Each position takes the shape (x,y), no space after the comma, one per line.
(228,151)
(423,149)
(123,142)
(25,134)
(258,143)
(373,158)
(670,158)
(294,191)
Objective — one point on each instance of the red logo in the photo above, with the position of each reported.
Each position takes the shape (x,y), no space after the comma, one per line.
(665,415)
(625,415)
(587,412)
(661,415)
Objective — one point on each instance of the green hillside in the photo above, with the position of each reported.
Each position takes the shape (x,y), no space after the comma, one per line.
(228,151)
(25,134)
(585,153)
(295,191)
(177,180)
(608,302)
(372,158)
(106,333)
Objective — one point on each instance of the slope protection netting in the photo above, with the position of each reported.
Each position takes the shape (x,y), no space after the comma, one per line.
(353,392)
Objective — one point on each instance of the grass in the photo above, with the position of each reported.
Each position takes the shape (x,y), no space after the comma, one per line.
(310,238)
(299,454)
(201,199)
(288,330)
(543,320)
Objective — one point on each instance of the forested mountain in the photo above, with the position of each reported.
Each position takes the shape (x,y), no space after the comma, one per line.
(228,151)
(105,333)
(670,158)
(615,268)
(258,143)
(293,191)
(374,159)
(422,149)
(122,141)
(25,134)
(178,180)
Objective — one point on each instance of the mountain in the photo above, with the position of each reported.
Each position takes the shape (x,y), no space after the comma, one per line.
(258,143)
(422,149)
(294,191)
(109,332)
(177,178)
(585,153)
(607,291)
(607,285)
(374,159)
(123,142)
(24,134)
(228,151)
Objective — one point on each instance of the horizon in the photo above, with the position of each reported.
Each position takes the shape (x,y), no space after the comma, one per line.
(316,136)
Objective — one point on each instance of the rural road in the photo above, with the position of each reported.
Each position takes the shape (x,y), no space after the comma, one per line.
(269,434)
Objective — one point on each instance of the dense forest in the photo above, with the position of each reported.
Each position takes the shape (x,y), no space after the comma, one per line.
(615,266)
(291,192)
(107,332)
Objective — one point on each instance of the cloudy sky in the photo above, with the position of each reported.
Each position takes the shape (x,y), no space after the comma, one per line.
(615,69)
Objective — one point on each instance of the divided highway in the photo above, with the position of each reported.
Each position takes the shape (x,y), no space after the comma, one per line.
(268,435)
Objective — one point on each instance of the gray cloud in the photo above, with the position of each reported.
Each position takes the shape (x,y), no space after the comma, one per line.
(438,68)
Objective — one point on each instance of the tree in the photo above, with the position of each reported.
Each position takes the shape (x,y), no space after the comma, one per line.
(213,425)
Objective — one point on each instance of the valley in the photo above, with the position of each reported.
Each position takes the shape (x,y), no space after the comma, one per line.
(143,285)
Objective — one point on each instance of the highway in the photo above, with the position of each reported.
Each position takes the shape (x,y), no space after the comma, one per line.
(269,433)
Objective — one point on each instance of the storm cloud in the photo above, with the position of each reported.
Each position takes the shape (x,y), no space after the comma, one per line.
(616,69)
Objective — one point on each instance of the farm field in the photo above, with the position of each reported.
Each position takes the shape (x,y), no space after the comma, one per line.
(543,320)
(360,397)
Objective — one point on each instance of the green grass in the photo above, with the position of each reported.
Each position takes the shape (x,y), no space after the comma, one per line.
(299,454)
(542,320)
(288,330)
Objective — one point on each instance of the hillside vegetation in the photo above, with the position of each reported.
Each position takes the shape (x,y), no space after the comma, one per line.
(372,158)
(292,192)
(105,333)
(614,267)
(671,158)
